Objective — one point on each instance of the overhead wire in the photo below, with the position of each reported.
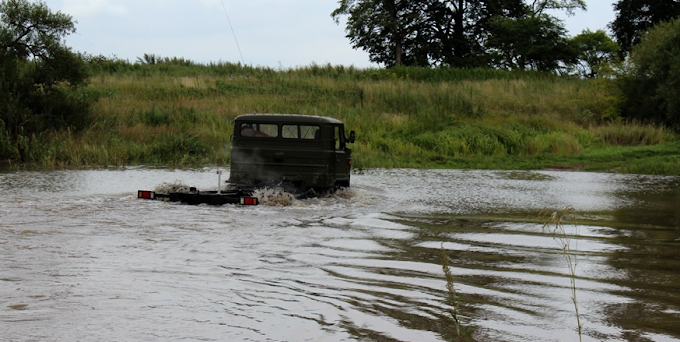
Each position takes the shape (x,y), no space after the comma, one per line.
(232,31)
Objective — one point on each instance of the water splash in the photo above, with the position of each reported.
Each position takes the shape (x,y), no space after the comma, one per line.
(176,187)
(275,197)
(279,197)
(346,193)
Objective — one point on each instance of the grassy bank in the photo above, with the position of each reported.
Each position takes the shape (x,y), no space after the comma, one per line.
(181,113)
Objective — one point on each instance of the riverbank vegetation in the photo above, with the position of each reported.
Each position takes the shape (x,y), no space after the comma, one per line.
(60,108)
(180,113)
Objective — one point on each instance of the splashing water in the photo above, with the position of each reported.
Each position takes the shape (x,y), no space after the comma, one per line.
(176,187)
(345,193)
(279,197)
(275,197)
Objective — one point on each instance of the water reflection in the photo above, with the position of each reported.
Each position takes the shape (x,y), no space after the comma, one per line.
(22,182)
(654,204)
(82,259)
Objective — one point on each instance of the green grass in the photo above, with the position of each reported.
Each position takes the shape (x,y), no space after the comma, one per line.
(178,112)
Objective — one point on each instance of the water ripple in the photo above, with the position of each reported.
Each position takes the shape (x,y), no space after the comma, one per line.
(82,259)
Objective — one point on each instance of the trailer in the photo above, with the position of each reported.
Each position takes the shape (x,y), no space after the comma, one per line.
(194,196)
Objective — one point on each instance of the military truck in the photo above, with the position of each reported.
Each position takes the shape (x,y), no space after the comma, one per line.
(304,155)
(297,152)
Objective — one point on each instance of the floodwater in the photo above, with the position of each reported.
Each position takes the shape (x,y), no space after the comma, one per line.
(82,259)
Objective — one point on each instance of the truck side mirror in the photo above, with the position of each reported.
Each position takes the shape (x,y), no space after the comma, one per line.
(352,136)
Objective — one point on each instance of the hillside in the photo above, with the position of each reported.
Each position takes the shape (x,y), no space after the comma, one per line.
(180,113)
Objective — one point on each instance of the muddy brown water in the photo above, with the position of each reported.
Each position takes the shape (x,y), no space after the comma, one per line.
(82,259)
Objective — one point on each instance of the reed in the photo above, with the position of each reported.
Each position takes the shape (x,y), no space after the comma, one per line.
(452,299)
(554,225)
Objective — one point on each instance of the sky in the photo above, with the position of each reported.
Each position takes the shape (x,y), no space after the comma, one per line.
(280,34)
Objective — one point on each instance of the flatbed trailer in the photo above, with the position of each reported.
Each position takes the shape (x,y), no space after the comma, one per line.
(194,197)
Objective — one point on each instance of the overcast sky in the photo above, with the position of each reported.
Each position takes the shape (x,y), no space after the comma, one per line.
(272,33)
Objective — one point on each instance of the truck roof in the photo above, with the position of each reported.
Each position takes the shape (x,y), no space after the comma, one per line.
(287,118)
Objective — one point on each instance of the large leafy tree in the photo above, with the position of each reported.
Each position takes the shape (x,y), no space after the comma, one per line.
(38,73)
(597,53)
(379,27)
(533,40)
(447,32)
(651,88)
(479,20)
(459,33)
(635,17)
(530,43)
(421,32)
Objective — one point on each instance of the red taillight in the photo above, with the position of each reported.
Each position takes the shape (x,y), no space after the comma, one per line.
(248,200)
(145,194)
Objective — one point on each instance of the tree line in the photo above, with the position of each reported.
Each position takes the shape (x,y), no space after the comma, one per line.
(459,33)
(509,34)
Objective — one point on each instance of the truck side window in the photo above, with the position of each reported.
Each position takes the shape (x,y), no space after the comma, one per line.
(289,131)
(309,132)
(300,132)
(254,130)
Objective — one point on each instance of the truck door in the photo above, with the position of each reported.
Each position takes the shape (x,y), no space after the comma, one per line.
(343,158)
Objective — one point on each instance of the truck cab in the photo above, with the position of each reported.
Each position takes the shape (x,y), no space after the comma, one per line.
(298,152)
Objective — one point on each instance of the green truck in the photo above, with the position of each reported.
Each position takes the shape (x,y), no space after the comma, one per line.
(296,152)
(304,155)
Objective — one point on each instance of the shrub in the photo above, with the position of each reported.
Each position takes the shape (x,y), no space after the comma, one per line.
(651,89)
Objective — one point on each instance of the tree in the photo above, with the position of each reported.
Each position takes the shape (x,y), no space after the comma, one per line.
(460,33)
(596,53)
(376,26)
(462,29)
(420,32)
(651,89)
(635,17)
(539,7)
(533,40)
(530,43)
(447,36)
(39,75)
(404,32)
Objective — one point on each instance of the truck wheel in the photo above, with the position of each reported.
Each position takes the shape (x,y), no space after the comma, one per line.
(341,184)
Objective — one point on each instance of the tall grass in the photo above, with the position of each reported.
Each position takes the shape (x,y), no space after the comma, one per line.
(179,112)
(452,298)
(633,134)
(554,225)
